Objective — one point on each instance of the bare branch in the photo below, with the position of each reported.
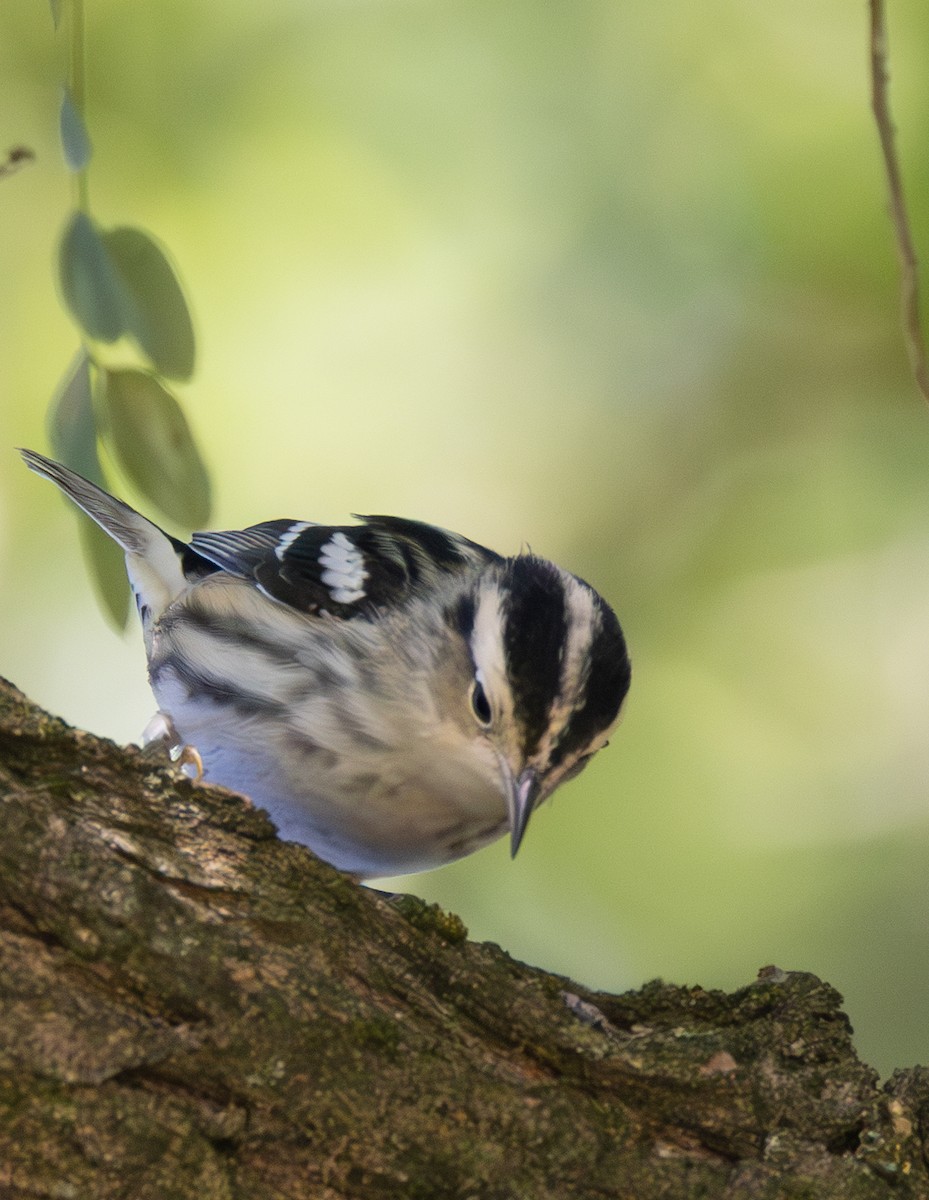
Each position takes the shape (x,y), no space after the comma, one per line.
(15,159)
(909,266)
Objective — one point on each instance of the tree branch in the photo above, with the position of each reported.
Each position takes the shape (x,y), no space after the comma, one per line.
(909,264)
(192,1008)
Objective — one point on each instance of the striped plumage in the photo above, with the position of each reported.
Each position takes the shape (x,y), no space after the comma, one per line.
(395,695)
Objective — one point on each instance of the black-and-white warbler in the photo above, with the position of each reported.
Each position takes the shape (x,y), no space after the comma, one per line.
(395,695)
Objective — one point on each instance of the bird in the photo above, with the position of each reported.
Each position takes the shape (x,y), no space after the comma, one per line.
(395,695)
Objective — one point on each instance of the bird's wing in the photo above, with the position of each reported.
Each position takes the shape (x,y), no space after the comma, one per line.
(345,570)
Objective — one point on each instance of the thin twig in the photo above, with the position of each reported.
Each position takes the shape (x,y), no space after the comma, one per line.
(15,159)
(909,266)
(77,70)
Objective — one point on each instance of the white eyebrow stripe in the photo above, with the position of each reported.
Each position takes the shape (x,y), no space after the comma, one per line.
(581,625)
(287,539)
(487,651)
(344,570)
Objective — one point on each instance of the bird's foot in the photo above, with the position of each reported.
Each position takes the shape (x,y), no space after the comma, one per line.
(160,732)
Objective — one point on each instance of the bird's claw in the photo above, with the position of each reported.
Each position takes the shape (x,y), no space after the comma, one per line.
(189,760)
(160,731)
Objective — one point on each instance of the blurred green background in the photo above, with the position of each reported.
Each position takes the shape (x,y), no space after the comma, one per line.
(613,281)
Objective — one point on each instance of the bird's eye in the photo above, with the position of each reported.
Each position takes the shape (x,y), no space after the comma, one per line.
(480,704)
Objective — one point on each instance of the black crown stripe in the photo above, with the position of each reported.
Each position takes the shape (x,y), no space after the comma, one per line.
(534,632)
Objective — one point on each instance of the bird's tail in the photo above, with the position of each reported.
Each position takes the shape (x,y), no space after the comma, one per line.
(152,557)
(124,525)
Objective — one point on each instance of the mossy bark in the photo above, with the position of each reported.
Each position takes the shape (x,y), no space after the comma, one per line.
(190,1008)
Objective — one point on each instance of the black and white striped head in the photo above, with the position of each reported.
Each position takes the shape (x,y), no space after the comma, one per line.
(551,672)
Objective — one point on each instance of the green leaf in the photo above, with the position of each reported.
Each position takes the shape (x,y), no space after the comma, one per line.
(73,437)
(72,429)
(153,442)
(121,282)
(92,288)
(158,316)
(55,6)
(75,141)
(107,565)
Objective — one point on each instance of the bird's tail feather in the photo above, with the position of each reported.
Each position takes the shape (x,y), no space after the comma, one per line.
(124,525)
(153,559)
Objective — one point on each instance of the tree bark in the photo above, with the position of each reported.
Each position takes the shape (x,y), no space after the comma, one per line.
(191,1008)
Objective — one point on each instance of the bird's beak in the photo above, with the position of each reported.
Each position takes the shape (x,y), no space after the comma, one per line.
(522,794)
